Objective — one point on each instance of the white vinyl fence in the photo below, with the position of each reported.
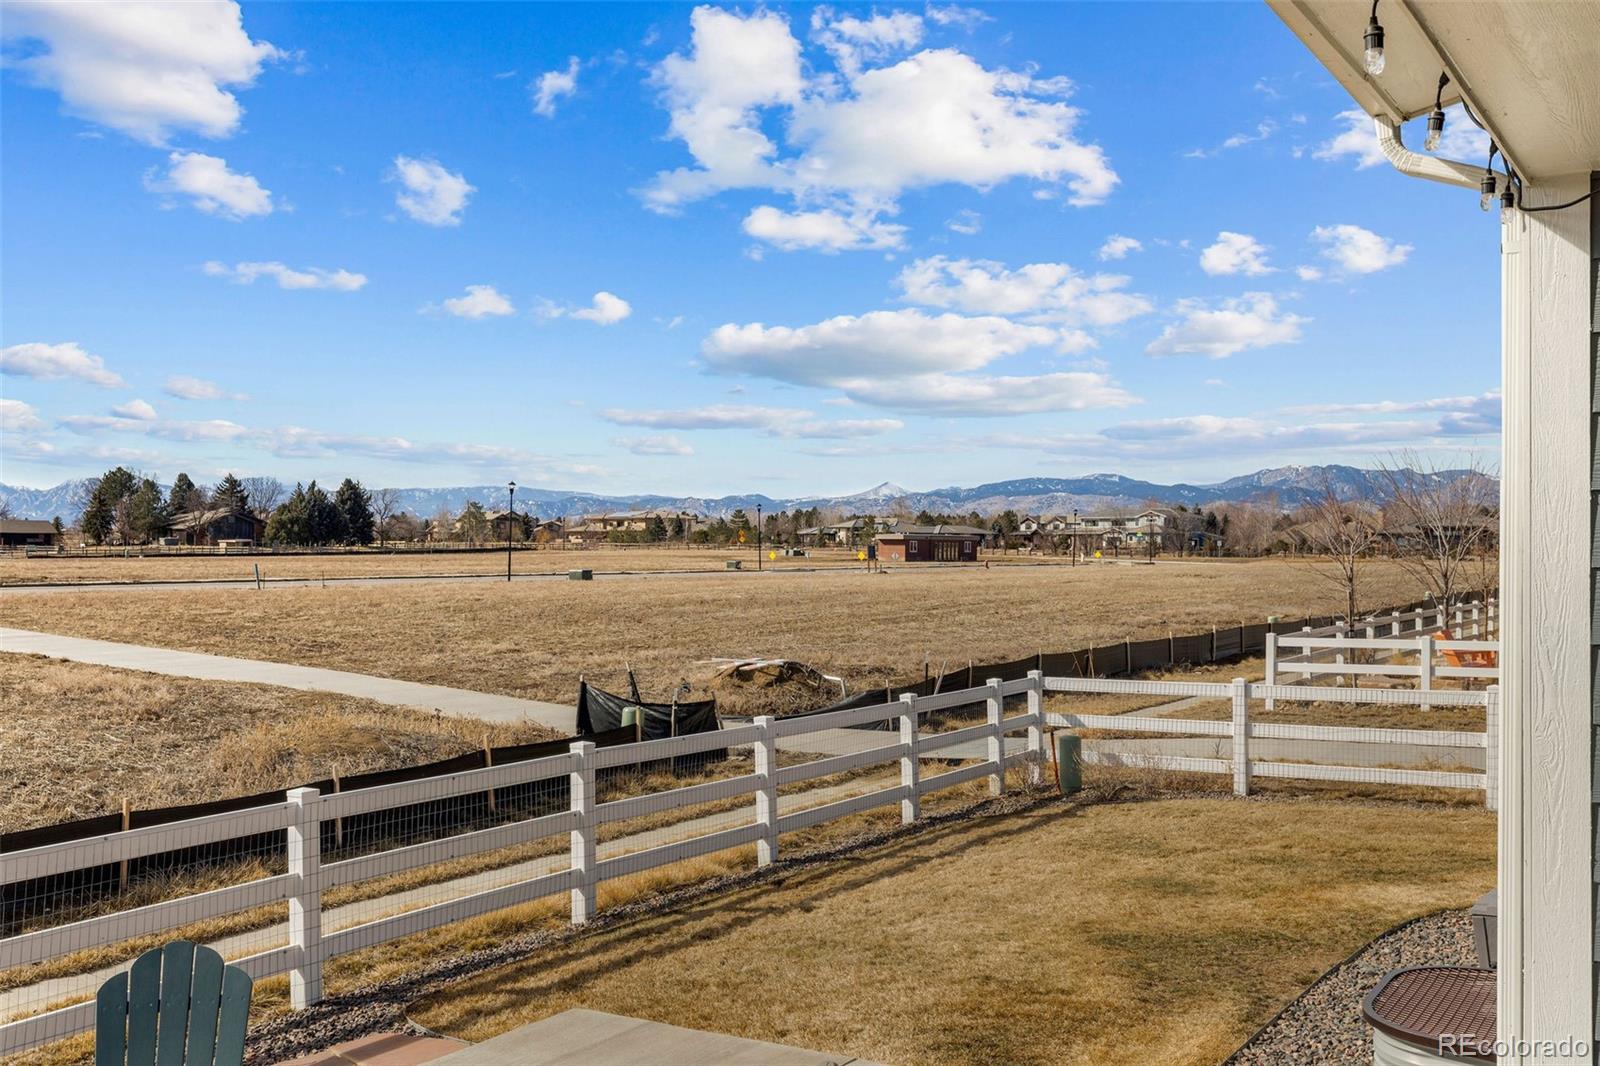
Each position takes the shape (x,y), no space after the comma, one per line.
(31,1014)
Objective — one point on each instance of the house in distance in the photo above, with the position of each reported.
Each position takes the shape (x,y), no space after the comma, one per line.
(930,544)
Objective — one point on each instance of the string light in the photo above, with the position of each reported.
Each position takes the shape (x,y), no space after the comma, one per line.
(1436,119)
(1486,187)
(1373,40)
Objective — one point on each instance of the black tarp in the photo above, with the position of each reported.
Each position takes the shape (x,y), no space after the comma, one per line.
(1148,654)
(1195,648)
(599,711)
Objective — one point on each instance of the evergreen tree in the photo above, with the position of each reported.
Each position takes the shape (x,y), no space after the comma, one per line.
(229,496)
(355,510)
(106,513)
(288,522)
(324,520)
(658,528)
(185,495)
(473,524)
(148,511)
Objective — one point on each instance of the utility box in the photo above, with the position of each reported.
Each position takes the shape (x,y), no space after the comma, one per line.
(735,564)
(1069,761)
(580,575)
(1485,921)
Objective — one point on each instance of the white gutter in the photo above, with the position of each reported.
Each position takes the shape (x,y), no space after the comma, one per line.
(1417,165)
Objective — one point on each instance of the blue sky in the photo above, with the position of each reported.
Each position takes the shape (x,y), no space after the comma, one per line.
(785,249)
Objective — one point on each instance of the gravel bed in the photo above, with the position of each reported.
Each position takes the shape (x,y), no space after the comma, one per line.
(1323,1026)
(381,1008)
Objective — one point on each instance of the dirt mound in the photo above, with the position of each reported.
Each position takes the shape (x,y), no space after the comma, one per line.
(777,687)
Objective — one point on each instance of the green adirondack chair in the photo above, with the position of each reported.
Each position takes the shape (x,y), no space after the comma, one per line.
(178,1005)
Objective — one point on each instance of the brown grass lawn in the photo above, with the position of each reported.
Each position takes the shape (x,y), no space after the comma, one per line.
(79,738)
(1158,931)
(606,558)
(15,569)
(535,639)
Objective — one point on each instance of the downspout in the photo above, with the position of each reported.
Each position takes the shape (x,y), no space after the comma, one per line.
(1417,165)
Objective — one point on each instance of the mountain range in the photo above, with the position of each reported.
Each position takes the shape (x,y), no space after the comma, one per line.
(1290,486)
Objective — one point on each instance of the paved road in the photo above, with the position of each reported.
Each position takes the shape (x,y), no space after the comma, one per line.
(459,703)
(81,986)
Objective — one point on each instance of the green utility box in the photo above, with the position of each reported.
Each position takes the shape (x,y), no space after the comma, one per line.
(735,564)
(1069,761)
(580,575)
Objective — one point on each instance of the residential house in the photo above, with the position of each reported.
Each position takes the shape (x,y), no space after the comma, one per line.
(846,534)
(27,533)
(593,528)
(216,525)
(904,542)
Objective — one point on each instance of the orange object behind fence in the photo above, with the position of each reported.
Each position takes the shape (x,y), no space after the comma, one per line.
(1465,658)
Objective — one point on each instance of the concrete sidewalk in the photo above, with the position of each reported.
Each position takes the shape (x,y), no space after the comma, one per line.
(458,703)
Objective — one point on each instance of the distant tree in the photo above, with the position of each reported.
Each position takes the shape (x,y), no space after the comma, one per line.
(355,510)
(186,495)
(739,520)
(264,493)
(1440,521)
(405,527)
(473,523)
(107,515)
(56,522)
(443,525)
(677,527)
(148,512)
(385,508)
(230,496)
(289,522)
(5,509)
(657,530)
(324,520)
(1343,532)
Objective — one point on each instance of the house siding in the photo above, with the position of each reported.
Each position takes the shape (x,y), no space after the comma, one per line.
(1594,564)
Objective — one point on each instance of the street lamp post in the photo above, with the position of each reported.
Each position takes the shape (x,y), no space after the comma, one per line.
(511,513)
(758,536)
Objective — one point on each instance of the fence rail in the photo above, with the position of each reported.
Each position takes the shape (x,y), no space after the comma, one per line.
(578,873)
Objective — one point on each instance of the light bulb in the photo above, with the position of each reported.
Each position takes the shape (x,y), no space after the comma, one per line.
(1487,190)
(1373,41)
(1435,131)
(1485,200)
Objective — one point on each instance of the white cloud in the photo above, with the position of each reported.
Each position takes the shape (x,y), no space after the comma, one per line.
(481,301)
(287,277)
(1357,140)
(909,360)
(1118,247)
(1251,321)
(146,69)
(1053,290)
(429,193)
(966,221)
(782,422)
(135,409)
(53,361)
(855,139)
(1477,415)
(654,444)
(1235,253)
(185,387)
(607,309)
(552,85)
(967,18)
(18,417)
(852,41)
(1357,250)
(826,230)
(1308,273)
(211,187)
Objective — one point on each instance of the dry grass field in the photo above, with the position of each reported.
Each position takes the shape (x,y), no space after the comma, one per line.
(78,739)
(535,639)
(1066,934)
(371,563)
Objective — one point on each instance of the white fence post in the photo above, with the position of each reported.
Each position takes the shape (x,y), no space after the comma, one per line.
(1272,666)
(1394,623)
(766,760)
(997,738)
(1339,635)
(1477,620)
(582,788)
(1425,668)
(1491,748)
(305,901)
(1241,737)
(910,761)
(1036,752)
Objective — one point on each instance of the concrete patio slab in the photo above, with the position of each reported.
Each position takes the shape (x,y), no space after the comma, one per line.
(594,1038)
(382,1049)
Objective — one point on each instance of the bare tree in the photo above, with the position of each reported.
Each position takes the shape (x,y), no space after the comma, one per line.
(385,507)
(1344,532)
(5,509)
(264,493)
(1441,521)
